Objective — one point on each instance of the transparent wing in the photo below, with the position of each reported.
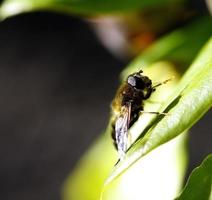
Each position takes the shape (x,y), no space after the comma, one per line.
(121,129)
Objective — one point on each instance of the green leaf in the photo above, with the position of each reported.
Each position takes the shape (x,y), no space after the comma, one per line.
(11,7)
(191,99)
(199,185)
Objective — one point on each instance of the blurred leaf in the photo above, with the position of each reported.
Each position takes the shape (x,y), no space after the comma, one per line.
(11,7)
(188,103)
(199,185)
(180,46)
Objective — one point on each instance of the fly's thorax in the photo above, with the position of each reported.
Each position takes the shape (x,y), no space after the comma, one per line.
(138,81)
(127,95)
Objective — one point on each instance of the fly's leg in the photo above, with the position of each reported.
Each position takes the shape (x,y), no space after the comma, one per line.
(155,113)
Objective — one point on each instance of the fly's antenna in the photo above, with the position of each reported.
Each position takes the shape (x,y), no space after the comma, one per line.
(163,82)
(140,71)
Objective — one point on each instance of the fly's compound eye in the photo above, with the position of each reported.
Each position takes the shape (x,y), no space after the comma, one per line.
(131,80)
(136,82)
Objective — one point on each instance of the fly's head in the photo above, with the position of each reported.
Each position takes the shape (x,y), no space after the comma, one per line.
(139,81)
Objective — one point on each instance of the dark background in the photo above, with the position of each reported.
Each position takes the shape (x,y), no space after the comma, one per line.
(56,84)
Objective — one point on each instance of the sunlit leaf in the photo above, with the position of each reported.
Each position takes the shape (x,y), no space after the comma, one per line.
(199,185)
(188,103)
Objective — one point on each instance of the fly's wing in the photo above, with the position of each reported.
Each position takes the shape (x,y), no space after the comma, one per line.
(121,129)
